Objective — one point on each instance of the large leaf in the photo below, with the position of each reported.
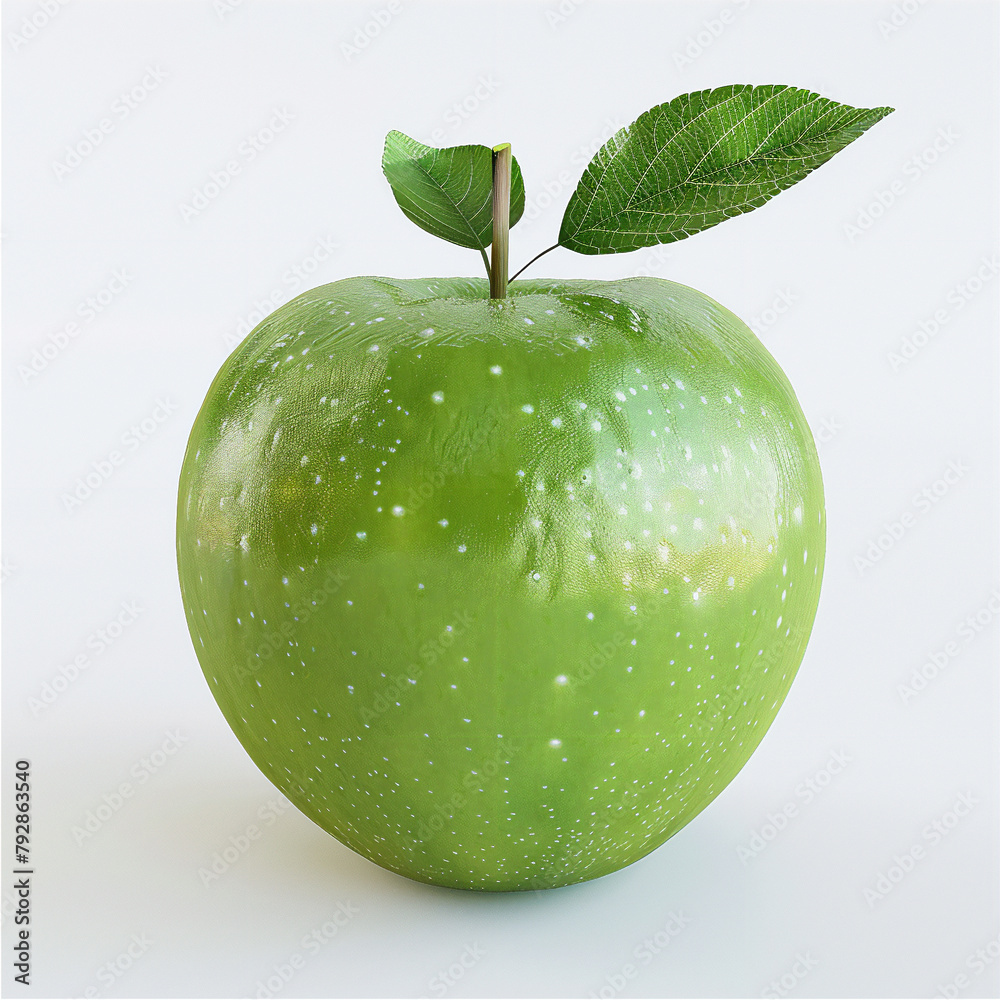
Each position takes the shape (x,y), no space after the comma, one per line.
(703,158)
(448,192)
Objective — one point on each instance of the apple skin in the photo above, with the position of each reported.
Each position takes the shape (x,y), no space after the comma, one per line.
(500,594)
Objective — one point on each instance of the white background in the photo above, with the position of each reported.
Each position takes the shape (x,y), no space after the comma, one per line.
(555,85)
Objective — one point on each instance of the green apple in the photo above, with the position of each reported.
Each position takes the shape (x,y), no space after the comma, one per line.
(501,594)
(501,584)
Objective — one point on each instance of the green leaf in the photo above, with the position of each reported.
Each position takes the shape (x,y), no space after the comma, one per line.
(448,192)
(703,158)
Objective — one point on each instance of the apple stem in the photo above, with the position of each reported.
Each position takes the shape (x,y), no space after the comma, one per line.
(501,220)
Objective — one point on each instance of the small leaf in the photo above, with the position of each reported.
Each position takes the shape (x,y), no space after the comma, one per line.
(703,158)
(448,192)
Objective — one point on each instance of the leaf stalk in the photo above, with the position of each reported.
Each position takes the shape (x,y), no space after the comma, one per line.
(533,259)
